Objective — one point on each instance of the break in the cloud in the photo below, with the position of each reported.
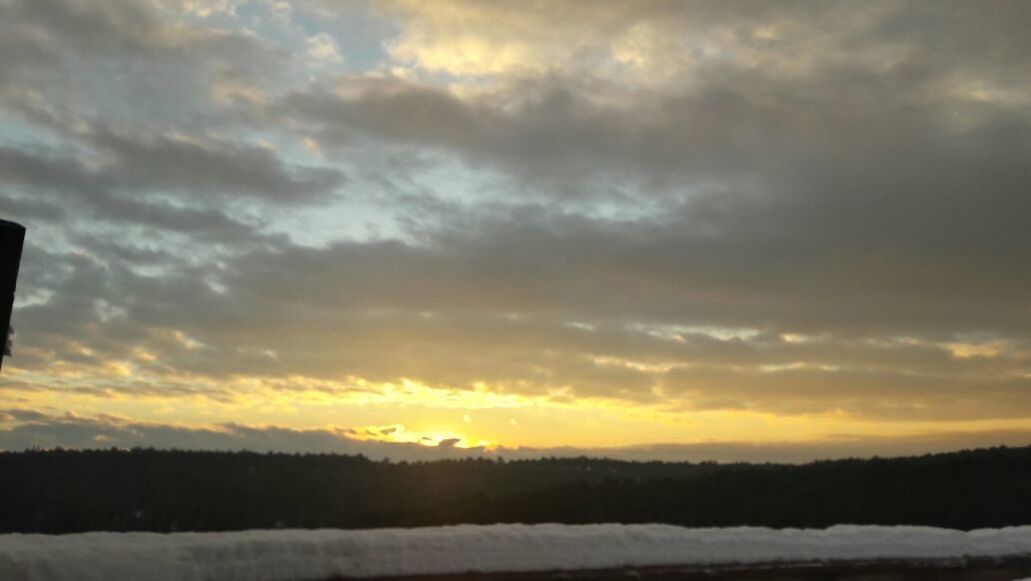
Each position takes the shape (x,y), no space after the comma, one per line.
(663,221)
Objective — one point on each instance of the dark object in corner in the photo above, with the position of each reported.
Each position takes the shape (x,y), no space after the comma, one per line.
(12,236)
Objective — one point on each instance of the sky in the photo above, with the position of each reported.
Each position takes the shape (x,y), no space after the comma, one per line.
(658,229)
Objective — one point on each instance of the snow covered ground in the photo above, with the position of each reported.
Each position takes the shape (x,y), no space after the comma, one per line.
(324,554)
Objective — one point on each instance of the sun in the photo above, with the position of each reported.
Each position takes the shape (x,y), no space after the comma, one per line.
(432,437)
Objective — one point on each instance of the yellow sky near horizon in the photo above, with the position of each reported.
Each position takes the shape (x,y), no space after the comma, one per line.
(414,413)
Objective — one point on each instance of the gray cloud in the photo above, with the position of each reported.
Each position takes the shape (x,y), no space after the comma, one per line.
(455,327)
(30,428)
(219,168)
(162,164)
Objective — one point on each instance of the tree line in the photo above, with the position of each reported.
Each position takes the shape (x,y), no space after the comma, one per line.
(63,491)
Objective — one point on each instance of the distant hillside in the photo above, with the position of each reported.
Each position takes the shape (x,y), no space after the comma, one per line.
(69,491)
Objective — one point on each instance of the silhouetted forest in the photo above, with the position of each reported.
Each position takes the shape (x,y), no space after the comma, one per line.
(149,490)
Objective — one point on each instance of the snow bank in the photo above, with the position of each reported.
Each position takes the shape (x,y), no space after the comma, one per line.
(323,554)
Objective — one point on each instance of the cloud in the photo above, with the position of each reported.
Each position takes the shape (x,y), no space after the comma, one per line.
(673,206)
(29,428)
(126,60)
(206,167)
(672,40)
(201,172)
(442,316)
